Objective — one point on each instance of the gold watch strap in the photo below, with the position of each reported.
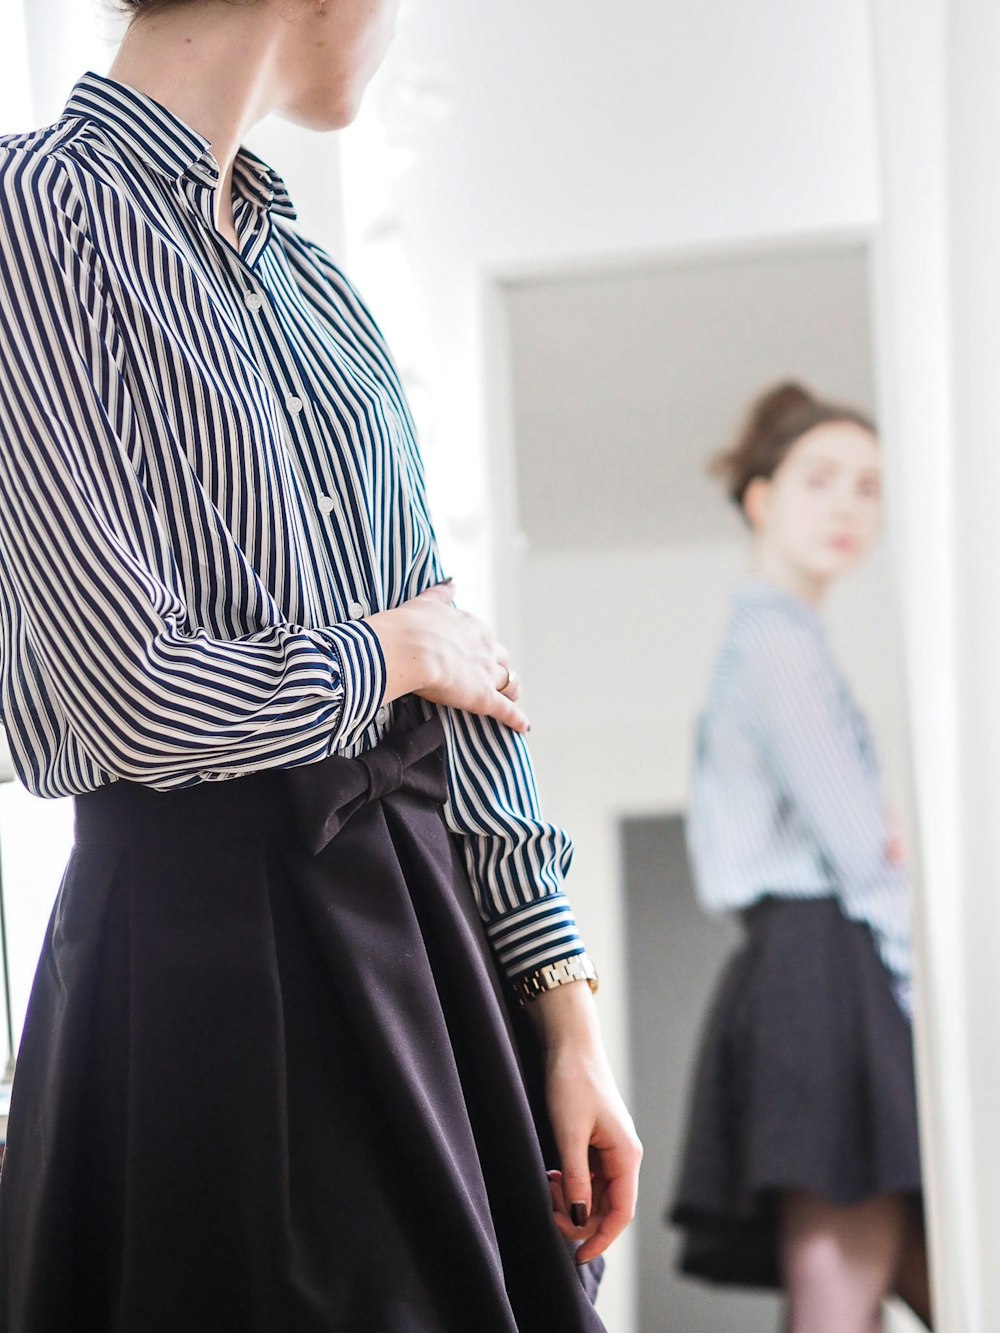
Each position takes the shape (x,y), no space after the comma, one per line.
(577,968)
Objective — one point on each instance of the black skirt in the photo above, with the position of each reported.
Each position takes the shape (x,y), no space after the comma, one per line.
(804,1080)
(270,1078)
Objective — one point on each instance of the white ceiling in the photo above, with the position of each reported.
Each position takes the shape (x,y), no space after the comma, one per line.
(626,381)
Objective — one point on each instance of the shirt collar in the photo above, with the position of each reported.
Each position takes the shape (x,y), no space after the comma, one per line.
(168,144)
(754,586)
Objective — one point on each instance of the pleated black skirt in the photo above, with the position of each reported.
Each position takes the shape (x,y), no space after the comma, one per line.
(270,1078)
(804,1080)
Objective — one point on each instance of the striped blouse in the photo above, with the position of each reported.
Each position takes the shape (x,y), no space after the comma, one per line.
(208,478)
(786,796)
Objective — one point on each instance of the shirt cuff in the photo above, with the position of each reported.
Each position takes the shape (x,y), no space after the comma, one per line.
(529,937)
(362,676)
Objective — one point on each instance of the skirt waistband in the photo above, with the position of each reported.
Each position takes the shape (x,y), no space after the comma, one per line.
(319,798)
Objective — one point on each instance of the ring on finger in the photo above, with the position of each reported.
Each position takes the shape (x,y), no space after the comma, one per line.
(502,688)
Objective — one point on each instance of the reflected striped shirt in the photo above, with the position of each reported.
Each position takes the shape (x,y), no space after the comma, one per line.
(786,796)
(209,477)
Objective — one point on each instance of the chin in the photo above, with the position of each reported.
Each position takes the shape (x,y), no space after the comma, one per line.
(326,111)
(832,564)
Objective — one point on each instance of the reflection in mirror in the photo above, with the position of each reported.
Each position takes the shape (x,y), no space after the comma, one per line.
(633,570)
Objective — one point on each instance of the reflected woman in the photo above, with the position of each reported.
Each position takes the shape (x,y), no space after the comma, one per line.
(268,1077)
(801,1167)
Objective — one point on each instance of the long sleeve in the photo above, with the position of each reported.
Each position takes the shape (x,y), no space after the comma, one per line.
(87,553)
(517,861)
(822,761)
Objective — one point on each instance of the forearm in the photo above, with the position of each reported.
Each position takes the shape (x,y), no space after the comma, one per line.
(566,1019)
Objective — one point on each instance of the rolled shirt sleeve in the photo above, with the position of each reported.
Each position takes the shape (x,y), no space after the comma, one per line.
(517,861)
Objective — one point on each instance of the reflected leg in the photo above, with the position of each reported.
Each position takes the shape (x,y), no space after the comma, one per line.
(839,1264)
(913,1274)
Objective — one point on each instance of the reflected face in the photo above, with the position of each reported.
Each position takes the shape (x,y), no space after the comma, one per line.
(822,509)
(330,57)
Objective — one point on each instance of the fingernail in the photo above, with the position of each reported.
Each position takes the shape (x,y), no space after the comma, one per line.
(579,1214)
(527,726)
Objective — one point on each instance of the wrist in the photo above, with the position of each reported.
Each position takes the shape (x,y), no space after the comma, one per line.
(566,1018)
(577,966)
(410,666)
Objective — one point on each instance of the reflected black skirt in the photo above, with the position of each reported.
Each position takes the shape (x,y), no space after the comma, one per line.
(804,1080)
(270,1079)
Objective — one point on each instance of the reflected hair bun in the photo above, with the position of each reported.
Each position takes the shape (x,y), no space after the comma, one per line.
(775,420)
(779,405)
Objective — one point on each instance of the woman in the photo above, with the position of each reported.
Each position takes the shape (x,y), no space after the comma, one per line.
(801,1165)
(267,1078)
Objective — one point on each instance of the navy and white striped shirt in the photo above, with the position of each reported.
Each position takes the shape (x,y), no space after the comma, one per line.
(786,796)
(208,477)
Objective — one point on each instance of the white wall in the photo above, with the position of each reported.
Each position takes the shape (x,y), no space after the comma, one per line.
(538,133)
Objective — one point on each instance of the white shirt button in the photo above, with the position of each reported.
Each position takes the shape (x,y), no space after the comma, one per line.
(356,610)
(382,716)
(253,300)
(293,403)
(327,504)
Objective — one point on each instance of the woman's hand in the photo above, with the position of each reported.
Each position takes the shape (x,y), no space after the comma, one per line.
(448,656)
(594,1195)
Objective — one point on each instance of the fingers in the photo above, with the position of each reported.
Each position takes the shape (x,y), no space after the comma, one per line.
(441,592)
(556,1191)
(560,1211)
(617,1189)
(575,1159)
(476,670)
(508,682)
(611,1222)
(507,712)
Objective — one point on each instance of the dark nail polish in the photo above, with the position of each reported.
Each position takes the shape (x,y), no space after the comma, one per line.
(579,1214)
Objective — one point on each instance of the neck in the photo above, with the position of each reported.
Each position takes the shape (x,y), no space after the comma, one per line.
(214,74)
(772,568)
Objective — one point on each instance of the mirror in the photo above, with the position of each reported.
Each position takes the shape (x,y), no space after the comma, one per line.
(625,380)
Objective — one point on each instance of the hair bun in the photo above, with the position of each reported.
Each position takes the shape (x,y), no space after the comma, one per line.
(776,407)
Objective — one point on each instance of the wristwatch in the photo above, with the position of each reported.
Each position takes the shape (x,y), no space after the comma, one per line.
(579,967)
